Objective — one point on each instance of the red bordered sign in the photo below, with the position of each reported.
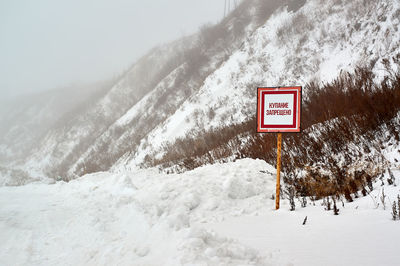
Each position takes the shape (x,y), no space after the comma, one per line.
(278,109)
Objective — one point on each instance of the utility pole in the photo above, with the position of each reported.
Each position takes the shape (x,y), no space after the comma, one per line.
(225,8)
(228,5)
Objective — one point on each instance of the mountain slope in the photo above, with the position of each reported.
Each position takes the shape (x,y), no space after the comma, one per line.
(193,59)
(209,80)
(317,42)
(53,152)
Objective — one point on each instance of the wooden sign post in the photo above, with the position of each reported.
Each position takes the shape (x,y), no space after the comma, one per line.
(278,110)
(278,171)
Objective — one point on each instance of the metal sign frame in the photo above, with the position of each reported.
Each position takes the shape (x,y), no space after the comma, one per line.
(262,93)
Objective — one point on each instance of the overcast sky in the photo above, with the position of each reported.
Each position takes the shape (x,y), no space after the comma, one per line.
(54,43)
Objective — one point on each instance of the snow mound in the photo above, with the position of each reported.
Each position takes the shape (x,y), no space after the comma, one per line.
(242,187)
(125,218)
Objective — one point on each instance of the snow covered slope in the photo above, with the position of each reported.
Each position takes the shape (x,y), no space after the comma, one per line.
(215,215)
(51,151)
(23,121)
(292,48)
(209,80)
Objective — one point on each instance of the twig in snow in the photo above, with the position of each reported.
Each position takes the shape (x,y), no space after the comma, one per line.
(305,220)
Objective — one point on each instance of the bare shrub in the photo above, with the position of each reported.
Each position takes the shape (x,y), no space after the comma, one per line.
(335,208)
(291,193)
(383,198)
(350,109)
(394,211)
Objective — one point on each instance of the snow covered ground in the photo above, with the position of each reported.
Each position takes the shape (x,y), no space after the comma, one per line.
(214,215)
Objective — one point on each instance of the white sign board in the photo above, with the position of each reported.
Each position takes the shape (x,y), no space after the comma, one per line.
(278,109)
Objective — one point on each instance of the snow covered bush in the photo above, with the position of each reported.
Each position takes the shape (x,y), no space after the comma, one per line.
(383,198)
(394,211)
(398,206)
(291,194)
(335,208)
(391,180)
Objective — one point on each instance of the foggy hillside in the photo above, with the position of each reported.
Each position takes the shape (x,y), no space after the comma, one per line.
(196,84)
(24,120)
(164,163)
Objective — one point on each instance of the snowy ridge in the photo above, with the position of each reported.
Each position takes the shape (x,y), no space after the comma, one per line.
(125,123)
(25,121)
(54,151)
